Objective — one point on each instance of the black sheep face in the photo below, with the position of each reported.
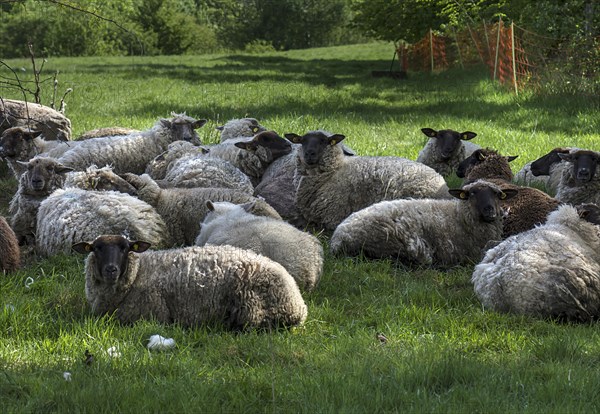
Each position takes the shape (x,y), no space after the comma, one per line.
(448,141)
(584,164)
(314,145)
(183,129)
(485,200)
(542,165)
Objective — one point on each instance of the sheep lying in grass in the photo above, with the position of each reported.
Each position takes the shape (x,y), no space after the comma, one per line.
(22,144)
(10,255)
(183,209)
(426,232)
(550,271)
(42,176)
(243,127)
(252,155)
(527,209)
(300,253)
(106,132)
(73,215)
(52,124)
(131,153)
(192,286)
(445,149)
(580,180)
(330,186)
(546,170)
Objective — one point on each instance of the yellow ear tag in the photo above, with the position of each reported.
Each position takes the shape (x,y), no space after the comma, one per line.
(481,157)
(502,196)
(464,136)
(463,195)
(135,247)
(255,129)
(88,247)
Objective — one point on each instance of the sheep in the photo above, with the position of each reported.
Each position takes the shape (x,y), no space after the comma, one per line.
(445,149)
(10,255)
(236,128)
(190,286)
(106,132)
(330,186)
(300,253)
(131,153)
(252,155)
(53,124)
(426,232)
(546,170)
(183,209)
(42,176)
(551,271)
(580,180)
(22,144)
(527,209)
(73,215)
(98,179)
(158,167)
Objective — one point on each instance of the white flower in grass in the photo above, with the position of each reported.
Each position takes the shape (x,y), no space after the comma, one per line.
(159,343)
(67,376)
(113,352)
(29,281)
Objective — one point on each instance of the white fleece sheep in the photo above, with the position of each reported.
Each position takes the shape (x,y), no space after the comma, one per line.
(74,215)
(300,253)
(580,179)
(445,149)
(237,128)
(426,232)
(550,271)
(192,286)
(131,153)
(183,209)
(330,186)
(53,124)
(158,167)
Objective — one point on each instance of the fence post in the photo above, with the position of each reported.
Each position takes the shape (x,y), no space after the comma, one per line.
(431,48)
(514,62)
(458,48)
(497,48)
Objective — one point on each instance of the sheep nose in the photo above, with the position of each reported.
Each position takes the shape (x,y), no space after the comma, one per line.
(489,213)
(111,272)
(584,174)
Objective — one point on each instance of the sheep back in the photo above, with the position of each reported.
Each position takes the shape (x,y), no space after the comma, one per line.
(53,124)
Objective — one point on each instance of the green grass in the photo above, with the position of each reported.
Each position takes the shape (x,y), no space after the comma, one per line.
(444,352)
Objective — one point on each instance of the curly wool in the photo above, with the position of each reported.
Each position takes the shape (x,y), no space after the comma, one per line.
(197,286)
(571,191)
(418,232)
(183,209)
(243,127)
(10,255)
(158,167)
(550,271)
(73,215)
(299,252)
(126,153)
(338,185)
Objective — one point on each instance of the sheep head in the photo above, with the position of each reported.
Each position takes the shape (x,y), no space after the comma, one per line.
(42,176)
(542,165)
(484,198)
(314,144)
(14,139)
(448,141)
(182,128)
(584,164)
(112,255)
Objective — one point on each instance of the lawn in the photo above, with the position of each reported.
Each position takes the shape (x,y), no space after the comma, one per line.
(444,352)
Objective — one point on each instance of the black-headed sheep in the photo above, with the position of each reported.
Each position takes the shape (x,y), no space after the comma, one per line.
(243,127)
(445,149)
(192,286)
(580,179)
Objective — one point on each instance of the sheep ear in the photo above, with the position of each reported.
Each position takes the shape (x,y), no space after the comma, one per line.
(138,246)
(429,132)
(166,123)
(82,247)
(248,207)
(204,150)
(210,206)
(481,156)
(220,128)
(295,138)
(198,123)
(31,134)
(507,194)
(62,169)
(467,135)
(255,129)
(336,139)
(247,145)
(565,157)
(511,158)
(458,193)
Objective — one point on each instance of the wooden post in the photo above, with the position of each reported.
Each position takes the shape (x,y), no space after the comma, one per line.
(497,48)
(458,48)
(431,48)
(514,62)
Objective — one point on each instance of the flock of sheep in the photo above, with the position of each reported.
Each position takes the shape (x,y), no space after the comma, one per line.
(232,225)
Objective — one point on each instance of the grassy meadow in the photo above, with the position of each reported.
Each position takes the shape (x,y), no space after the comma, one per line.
(444,352)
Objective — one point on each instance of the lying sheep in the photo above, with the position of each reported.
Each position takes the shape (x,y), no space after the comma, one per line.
(131,153)
(549,271)
(426,232)
(158,167)
(98,179)
(73,215)
(445,149)
(580,180)
(183,209)
(42,176)
(52,124)
(236,128)
(106,132)
(545,170)
(527,209)
(252,155)
(192,286)
(331,186)
(300,253)
(10,255)
(22,144)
